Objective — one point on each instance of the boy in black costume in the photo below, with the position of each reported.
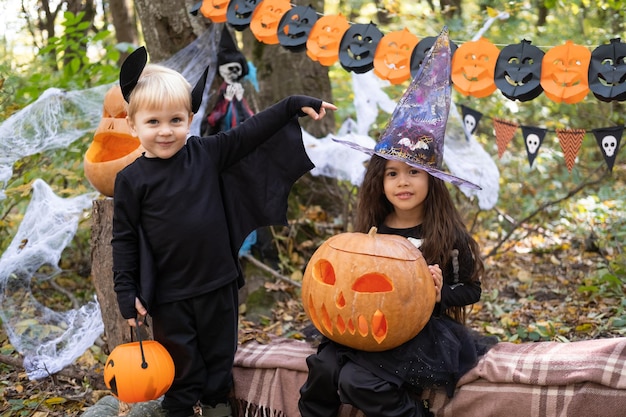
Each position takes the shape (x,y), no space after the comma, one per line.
(181,212)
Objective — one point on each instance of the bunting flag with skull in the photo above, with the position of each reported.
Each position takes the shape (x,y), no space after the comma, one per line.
(471,118)
(533,139)
(609,139)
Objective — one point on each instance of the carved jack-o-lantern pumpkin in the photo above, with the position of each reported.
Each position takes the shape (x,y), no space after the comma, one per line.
(139,371)
(266,18)
(295,26)
(607,71)
(518,71)
(392,60)
(325,38)
(564,73)
(358,47)
(113,146)
(473,68)
(371,291)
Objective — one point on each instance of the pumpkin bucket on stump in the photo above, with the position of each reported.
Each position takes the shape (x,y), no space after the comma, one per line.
(368,291)
(139,371)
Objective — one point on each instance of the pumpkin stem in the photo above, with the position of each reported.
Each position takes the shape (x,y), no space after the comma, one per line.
(372,232)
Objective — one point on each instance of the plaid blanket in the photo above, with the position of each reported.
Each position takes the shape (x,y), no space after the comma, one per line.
(544,379)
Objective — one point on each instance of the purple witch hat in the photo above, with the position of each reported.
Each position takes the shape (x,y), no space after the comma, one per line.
(416,131)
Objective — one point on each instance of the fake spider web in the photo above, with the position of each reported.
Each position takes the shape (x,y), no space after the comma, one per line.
(50,340)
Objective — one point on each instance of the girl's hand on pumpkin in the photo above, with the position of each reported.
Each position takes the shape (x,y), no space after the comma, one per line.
(141,314)
(435,271)
(310,111)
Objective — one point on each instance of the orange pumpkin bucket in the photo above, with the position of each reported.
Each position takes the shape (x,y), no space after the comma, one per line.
(368,291)
(139,371)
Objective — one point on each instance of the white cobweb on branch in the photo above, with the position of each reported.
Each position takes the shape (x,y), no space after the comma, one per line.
(48,340)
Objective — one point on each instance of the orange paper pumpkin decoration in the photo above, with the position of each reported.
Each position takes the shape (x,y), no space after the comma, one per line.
(266,19)
(113,146)
(564,73)
(215,10)
(368,291)
(392,60)
(473,68)
(324,39)
(137,372)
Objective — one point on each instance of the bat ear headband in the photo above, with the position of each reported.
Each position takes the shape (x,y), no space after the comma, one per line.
(133,66)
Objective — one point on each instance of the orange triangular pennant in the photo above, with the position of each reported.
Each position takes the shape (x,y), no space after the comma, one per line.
(570,140)
(504,133)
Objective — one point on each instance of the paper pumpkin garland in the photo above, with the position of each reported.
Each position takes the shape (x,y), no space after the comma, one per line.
(325,38)
(564,73)
(358,47)
(266,18)
(215,10)
(392,60)
(239,13)
(607,71)
(295,26)
(518,71)
(473,68)
(521,71)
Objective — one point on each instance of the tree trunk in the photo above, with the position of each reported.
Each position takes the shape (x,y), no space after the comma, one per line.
(124,23)
(168,26)
(116,330)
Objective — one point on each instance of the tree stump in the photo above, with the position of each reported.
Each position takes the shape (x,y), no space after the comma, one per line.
(116,330)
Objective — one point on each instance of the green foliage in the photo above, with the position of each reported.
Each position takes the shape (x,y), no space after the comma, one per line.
(75,60)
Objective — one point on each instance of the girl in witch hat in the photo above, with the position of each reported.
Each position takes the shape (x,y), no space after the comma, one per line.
(404,193)
(181,213)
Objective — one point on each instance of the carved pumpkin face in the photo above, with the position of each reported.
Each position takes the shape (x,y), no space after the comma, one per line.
(518,71)
(133,380)
(113,146)
(473,68)
(392,60)
(358,46)
(607,71)
(239,13)
(215,10)
(368,291)
(295,26)
(266,18)
(325,38)
(564,73)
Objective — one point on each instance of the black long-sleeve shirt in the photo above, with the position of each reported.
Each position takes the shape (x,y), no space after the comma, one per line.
(180,205)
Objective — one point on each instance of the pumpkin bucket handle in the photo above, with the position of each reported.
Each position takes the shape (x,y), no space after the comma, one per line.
(144,364)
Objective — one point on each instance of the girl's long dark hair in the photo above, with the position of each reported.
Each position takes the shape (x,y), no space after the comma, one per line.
(442,225)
